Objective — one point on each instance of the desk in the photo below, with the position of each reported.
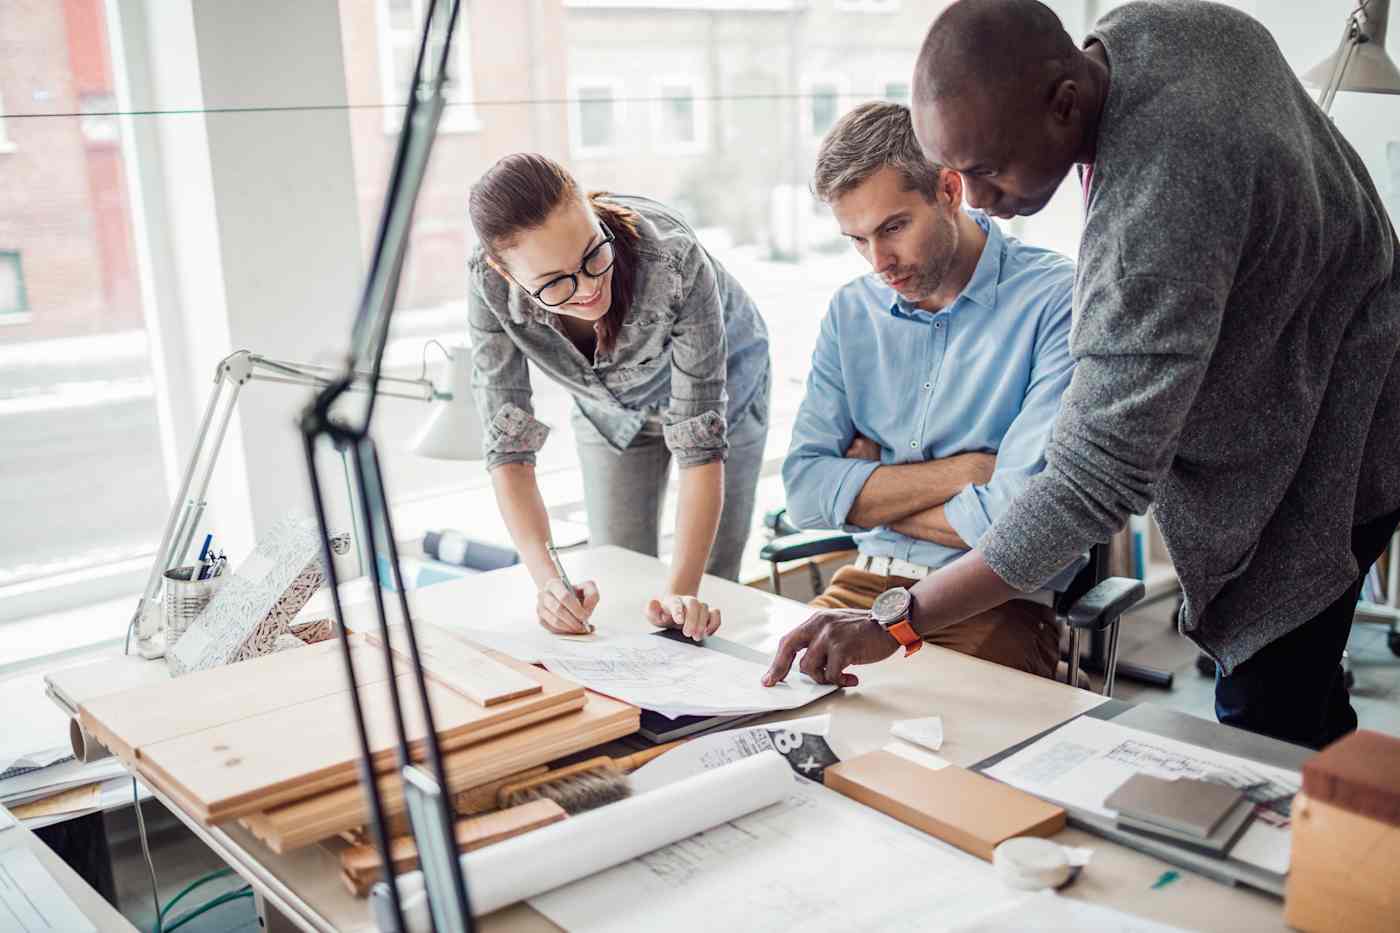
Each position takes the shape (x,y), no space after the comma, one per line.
(103,915)
(985,708)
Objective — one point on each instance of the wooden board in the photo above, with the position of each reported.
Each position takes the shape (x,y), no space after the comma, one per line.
(457,664)
(286,754)
(310,820)
(361,865)
(129,720)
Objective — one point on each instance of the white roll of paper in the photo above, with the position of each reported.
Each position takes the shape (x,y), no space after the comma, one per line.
(85,748)
(555,855)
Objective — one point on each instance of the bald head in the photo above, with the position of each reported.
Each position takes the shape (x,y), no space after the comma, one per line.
(1005,45)
(1004,97)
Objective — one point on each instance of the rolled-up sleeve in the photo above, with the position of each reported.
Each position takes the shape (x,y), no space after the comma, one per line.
(820,482)
(501,386)
(696,430)
(1022,452)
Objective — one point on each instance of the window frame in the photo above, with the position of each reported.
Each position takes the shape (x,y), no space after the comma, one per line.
(867,6)
(810,82)
(699,111)
(576,86)
(460,114)
(23,314)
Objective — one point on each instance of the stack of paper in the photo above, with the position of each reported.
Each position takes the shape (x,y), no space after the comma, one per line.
(38,761)
(683,680)
(655,673)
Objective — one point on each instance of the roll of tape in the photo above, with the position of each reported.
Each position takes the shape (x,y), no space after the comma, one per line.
(85,748)
(1031,864)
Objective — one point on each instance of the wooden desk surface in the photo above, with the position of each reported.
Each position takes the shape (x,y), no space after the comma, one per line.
(985,708)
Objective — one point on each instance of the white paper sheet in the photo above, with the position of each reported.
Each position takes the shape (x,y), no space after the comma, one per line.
(31,901)
(815,862)
(683,680)
(1085,760)
(1048,911)
(721,748)
(591,842)
(25,787)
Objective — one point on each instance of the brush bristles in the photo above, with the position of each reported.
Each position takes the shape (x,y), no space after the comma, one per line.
(577,793)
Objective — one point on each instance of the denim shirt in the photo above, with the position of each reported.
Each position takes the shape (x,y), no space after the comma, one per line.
(985,373)
(692,352)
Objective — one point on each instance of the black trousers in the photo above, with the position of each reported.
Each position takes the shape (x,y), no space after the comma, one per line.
(1293,689)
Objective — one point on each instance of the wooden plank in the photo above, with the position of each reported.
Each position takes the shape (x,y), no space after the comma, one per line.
(283,755)
(361,865)
(471,802)
(130,720)
(310,820)
(457,664)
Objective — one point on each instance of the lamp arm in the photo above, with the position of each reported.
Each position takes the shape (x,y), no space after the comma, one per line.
(1351,38)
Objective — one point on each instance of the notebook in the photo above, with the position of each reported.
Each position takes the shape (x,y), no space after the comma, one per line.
(1184,806)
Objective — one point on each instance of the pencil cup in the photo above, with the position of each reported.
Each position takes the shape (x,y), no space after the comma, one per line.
(185,598)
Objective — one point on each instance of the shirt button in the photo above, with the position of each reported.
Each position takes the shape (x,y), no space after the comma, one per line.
(928,385)
(913,443)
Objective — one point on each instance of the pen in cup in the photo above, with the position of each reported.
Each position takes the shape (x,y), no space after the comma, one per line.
(559,569)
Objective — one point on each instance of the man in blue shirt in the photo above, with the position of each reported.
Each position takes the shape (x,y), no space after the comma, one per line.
(934,384)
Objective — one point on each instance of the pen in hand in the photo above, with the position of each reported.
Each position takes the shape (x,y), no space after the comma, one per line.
(559,569)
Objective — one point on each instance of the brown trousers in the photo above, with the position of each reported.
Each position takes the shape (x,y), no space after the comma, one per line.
(1018,634)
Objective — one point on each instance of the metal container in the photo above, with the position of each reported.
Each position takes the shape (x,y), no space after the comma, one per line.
(185,599)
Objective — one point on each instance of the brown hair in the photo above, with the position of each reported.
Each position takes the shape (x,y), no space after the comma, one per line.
(869,138)
(518,194)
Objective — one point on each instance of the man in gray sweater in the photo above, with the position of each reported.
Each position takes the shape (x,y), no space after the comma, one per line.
(1237,325)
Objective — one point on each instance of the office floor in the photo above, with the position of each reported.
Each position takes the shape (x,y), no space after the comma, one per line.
(1147,637)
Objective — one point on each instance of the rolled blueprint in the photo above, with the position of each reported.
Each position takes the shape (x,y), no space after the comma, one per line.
(85,748)
(555,855)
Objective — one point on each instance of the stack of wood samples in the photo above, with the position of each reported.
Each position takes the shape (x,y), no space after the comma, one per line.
(271,741)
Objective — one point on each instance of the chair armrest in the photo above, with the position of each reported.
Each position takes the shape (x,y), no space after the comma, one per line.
(807,544)
(1097,609)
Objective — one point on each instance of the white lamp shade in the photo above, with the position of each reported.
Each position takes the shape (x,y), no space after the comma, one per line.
(453,430)
(1370,70)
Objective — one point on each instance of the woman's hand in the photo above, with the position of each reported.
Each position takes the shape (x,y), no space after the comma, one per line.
(686,613)
(564,612)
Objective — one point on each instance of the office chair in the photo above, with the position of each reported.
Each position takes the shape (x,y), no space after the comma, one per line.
(1092,603)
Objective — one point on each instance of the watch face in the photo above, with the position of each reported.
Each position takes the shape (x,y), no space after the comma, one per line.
(891,606)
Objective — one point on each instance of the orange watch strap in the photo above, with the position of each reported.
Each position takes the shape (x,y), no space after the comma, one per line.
(904,633)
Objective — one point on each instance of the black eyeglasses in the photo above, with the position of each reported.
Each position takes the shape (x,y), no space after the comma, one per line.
(596,262)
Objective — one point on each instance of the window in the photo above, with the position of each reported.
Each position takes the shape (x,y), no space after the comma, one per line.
(13,302)
(85,476)
(400,27)
(678,117)
(596,117)
(897,92)
(823,103)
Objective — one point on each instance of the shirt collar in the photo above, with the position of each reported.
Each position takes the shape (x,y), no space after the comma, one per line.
(981,289)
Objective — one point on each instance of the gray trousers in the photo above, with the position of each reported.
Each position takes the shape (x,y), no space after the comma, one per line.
(624,492)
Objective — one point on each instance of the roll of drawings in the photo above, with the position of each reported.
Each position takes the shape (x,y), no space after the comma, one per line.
(521,868)
(85,748)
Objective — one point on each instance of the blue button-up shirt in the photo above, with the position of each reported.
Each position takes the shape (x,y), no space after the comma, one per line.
(983,374)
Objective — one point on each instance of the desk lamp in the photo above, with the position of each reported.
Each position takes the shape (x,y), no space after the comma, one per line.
(1360,62)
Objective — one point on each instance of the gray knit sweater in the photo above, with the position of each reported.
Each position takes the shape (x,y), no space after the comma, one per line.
(1237,326)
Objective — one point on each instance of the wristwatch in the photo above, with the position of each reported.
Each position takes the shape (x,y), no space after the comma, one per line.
(891,609)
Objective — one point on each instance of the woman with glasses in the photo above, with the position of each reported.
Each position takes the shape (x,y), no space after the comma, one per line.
(665,356)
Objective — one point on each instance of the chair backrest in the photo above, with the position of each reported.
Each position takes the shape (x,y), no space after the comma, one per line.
(1092,574)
